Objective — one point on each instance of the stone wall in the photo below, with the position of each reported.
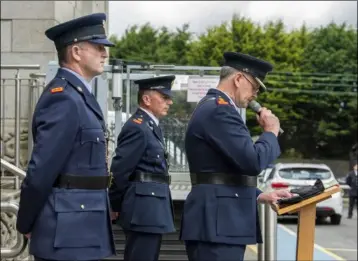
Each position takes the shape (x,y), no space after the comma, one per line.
(23,24)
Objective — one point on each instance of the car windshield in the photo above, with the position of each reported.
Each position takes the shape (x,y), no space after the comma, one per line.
(304,173)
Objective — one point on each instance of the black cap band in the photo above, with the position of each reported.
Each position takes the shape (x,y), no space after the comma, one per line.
(80,34)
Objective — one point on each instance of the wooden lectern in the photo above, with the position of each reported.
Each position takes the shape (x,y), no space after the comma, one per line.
(306,221)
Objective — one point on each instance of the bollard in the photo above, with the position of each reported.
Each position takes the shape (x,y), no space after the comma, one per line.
(17,118)
(260,247)
(117,94)
(270,238)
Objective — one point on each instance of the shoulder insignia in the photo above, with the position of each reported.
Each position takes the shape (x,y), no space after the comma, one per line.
(221,101)
(138,120)
(57,89)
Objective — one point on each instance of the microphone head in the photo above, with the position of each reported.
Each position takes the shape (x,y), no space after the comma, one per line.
(254,105)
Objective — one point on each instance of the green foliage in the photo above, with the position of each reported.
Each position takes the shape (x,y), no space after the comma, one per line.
(315,73)
(144,43)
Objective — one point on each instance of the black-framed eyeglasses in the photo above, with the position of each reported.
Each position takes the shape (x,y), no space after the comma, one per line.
(254,87)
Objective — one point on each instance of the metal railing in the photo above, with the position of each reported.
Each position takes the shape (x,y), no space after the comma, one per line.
(13,169)
(36,88)
(19,176)
(18,83)
(21,243)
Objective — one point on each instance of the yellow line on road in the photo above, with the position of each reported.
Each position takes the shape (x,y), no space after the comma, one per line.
(342,249)
(324,250)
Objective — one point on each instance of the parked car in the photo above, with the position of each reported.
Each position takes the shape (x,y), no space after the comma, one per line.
(263,174)
(296,175)
(344,186)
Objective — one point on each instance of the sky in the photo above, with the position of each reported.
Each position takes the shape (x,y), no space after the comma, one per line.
(202,14)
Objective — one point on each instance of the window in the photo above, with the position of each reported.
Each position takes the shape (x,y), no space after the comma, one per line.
(304,173)
(272,173)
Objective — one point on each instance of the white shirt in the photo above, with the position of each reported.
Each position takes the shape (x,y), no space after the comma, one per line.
(231,101)
(83,80)
(155,119)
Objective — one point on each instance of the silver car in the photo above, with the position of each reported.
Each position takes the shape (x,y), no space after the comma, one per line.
(296,175)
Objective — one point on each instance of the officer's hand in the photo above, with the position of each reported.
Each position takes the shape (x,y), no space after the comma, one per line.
(28,235)
(268,121)
(272,197)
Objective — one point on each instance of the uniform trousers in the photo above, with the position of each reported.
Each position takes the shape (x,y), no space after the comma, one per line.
(204,251)
(352,201)
(142,246)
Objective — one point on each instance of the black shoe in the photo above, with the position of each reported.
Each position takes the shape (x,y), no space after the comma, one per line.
(350,216)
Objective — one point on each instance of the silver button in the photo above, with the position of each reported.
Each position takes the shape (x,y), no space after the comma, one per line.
(157,156)
(97,139)
(83,206)
(236,195)
(153,193)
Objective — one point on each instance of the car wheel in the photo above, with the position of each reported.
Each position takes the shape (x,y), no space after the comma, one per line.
(320,219)
(336,219)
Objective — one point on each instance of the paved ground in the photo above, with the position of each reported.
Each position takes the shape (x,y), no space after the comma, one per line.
(340,241)
(331,242)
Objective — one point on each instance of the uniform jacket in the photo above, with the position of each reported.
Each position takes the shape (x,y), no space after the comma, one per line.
(217,140)
(143,206)
(352,181)
(68,134)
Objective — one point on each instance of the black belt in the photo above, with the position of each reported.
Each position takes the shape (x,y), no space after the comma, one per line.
(82,182)
(150,177)
(223,179)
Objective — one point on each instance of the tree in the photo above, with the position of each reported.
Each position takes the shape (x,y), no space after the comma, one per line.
(310,67)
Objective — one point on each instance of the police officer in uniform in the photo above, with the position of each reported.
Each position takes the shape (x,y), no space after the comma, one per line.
(64,205)
(352,182)
(220,213)
(140,191)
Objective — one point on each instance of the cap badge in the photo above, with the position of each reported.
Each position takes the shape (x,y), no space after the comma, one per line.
(104,26)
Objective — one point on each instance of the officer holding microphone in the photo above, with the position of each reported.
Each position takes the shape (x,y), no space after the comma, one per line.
(220,215)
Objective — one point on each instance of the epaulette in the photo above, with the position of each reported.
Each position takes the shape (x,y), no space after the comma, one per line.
(138,120)
(220,101)
(58,84)
(56,89)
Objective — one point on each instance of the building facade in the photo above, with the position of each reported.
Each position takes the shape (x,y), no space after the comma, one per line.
(23,24)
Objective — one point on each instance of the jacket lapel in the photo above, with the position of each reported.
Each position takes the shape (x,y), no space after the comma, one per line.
(156,130)
(158,133)
(82,89)
(151,124)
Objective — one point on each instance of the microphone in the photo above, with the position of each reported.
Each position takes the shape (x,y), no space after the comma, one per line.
(256,107)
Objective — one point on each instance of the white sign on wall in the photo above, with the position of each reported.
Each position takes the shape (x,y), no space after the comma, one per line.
(179,82)
(199,86)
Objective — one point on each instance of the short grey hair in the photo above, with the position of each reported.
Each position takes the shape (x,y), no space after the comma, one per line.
(227,71)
